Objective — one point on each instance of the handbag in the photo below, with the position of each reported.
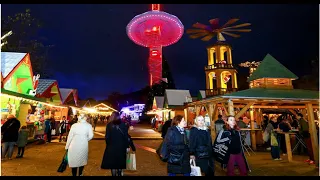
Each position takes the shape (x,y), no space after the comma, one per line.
(274,141)
(175,158)
(195,170)
(220,150)
(163,151)
(64,163)
(131,162)
(266,136)
(53,132)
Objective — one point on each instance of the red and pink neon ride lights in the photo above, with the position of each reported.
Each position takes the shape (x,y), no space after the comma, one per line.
(155,29)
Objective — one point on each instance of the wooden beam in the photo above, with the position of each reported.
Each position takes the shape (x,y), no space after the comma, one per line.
(215,112)
(277,107)
(243,110)
(210,108)
(313,134)
(225,109)
(253,133)
(288,146)
(230,107)
(198,108)
(186,114)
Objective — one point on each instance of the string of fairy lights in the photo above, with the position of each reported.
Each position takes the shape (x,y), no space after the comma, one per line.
(31,100)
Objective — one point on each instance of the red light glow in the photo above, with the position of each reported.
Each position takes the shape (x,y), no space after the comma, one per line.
(155,29)
(155,7)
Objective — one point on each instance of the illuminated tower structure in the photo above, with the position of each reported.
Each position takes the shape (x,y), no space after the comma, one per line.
(155,29)
(221,76)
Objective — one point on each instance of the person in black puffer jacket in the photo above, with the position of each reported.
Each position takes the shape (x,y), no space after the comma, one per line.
(175,148)
(10,132)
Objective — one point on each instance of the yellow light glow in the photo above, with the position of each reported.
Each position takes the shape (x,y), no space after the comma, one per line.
(92,110)
(30,100)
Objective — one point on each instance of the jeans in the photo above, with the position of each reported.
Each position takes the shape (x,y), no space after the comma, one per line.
(172,174)
(236,158)
(275,151)
(7,148)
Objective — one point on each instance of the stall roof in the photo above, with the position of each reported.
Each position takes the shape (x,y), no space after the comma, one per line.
(177,97)
(263,93)
(202,94)
(271,68)
(65,93)
(9,60)
(159,101)
(44,84)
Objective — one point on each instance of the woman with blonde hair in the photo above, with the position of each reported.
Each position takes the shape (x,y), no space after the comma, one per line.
(200,145)
(77,145)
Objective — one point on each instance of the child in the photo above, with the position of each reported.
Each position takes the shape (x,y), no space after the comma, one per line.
(22,141)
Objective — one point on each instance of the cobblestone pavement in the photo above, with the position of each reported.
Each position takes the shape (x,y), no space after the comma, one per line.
(43,160)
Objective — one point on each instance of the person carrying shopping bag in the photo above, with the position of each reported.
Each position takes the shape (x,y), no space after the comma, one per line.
(78,145)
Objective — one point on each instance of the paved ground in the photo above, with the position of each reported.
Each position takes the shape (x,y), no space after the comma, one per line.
(140,131)
(43,160)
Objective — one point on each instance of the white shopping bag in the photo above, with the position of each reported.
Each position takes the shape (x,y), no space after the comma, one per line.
(53,132)
(131,161)
(195,170)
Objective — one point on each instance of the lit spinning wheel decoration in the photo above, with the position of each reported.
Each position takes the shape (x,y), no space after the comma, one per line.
(155,29)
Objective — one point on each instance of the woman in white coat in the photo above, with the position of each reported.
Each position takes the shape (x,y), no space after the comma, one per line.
(77,145)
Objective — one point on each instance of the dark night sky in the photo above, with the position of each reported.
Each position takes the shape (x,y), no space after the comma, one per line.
(94,54)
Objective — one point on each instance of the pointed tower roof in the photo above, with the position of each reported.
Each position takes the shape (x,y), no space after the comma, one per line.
(271,68)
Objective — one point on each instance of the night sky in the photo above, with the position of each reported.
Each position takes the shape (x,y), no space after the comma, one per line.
(93,53)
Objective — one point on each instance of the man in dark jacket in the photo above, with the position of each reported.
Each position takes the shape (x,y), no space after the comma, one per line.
(10,132)
(165,127)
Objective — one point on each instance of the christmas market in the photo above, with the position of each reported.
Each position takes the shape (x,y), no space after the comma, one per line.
(159,90)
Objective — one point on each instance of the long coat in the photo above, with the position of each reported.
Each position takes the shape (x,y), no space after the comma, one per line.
(77,144)
(177,142)
(117,143)
(201,139)
(10,130)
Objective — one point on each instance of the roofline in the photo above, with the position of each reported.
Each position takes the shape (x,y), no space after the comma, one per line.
(272,77)
(5,79)
(242,97)
(105,105)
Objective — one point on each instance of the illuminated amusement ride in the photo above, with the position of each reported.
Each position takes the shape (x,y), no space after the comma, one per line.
(155,29)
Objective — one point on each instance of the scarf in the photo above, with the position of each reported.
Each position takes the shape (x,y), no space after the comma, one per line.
(181,130)
(205,128)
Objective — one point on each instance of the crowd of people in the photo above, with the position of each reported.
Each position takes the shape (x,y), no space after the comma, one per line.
(287,123)
(179,147)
